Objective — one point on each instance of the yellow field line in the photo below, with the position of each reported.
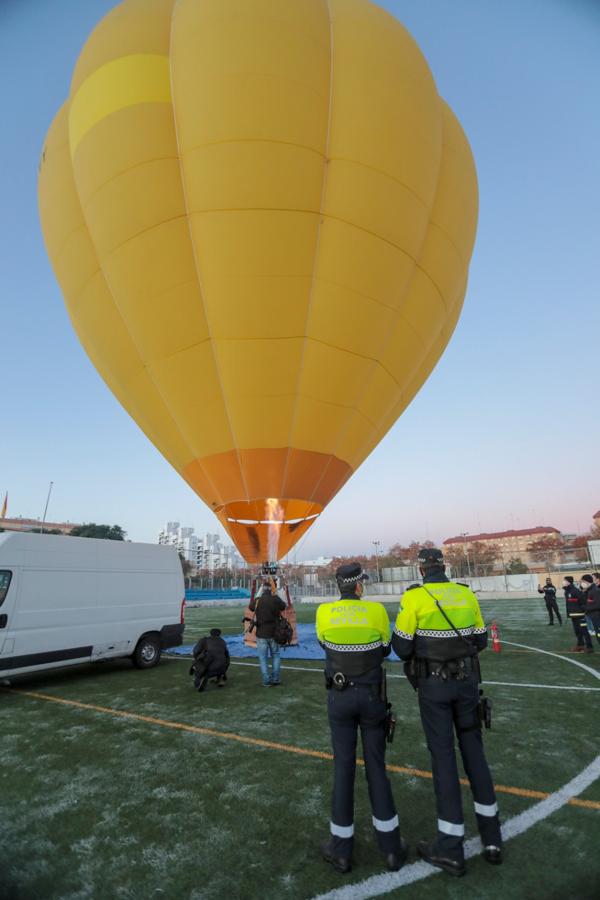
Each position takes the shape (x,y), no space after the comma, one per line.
(273,745)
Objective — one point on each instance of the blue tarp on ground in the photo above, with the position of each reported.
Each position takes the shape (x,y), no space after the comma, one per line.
(307,647)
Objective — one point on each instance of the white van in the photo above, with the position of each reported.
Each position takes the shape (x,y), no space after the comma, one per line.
(69,600)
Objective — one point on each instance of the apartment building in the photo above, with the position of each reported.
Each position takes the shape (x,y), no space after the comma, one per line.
(20,524)
(512,544)
(206,551)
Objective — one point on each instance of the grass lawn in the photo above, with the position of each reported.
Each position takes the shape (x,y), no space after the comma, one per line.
(96,805)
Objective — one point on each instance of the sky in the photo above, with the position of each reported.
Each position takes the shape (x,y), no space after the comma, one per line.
(504,434)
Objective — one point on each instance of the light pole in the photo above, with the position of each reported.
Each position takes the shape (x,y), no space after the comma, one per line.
(465,534)
(376,545)
(505,572)
(46,508)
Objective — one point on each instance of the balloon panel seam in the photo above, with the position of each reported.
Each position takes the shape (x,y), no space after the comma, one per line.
(319,229)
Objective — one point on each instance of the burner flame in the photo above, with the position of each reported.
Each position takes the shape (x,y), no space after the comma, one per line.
(274,516)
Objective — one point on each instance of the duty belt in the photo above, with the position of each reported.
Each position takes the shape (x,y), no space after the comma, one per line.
(339,682)
(450,668)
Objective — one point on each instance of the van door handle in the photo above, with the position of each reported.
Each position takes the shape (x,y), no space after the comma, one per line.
(3,621)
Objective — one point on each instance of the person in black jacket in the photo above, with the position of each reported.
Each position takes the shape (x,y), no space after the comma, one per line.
(211,660)
(590,585)
(575,601)
(267,608)
(549,592)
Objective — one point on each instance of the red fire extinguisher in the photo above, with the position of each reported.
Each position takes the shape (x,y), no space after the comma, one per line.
(496,645)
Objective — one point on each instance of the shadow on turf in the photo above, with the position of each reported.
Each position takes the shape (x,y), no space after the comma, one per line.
(73,674)
(9,890)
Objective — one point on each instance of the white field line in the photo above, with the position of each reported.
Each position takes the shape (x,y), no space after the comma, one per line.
(378,885)
(549,687)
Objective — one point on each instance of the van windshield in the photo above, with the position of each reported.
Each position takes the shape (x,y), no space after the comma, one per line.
(5,576)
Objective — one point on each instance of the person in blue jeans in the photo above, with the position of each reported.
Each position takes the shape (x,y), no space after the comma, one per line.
(266,609)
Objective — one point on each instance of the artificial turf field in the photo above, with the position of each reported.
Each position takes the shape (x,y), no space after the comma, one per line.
(178,798)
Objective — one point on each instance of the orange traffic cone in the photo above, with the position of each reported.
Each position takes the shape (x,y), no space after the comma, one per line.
(496,645)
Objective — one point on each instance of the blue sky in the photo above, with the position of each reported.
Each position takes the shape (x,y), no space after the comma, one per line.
(506,431)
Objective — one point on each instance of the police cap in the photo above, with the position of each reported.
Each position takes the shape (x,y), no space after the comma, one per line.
(350,573)
(430,556)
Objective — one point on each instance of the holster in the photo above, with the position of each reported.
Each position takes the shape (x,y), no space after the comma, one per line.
(338,681)
(484,710)
(390,718)
(411,670)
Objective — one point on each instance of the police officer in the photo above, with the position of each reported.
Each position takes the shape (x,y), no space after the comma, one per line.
(575,601)
(549,592)
(439,630)
(590,585)
(355,634)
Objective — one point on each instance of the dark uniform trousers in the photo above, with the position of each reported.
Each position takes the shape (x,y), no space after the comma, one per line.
(360,706)
(207,670)
(552,607)
(582,635)
(595,620)
(446,706)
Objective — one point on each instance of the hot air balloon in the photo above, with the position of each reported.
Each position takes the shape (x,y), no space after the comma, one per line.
(261,214)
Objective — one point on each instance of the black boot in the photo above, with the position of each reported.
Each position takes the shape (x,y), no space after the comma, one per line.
(430,854)
(340,863)
(493,855)
(395,861)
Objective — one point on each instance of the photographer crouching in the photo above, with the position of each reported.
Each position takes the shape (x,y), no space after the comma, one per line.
(211,660)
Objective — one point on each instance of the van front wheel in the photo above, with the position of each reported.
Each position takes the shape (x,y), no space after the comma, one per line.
(147,652)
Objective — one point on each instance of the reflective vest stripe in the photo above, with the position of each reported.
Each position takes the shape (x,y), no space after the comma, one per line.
(353,648)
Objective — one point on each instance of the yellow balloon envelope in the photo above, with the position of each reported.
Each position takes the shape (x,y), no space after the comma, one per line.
(261,214)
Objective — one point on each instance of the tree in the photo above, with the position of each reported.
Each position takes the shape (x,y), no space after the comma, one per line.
(366,562)
(107,532)
(407,556)
(399,554)
(201,579)
(222,577)
(455,555)
(546,551)
(578,548)
(475,558)
(388,561)
(516,567)
(484,558)
(186,566)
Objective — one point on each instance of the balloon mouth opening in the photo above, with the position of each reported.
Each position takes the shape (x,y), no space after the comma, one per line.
(267,528)
(272,521)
